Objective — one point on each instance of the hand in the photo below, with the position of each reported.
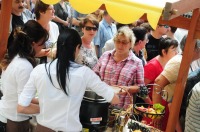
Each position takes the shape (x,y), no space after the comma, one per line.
(43,52)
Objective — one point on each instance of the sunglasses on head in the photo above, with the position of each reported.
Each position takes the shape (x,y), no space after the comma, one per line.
(91,28)
(165,26)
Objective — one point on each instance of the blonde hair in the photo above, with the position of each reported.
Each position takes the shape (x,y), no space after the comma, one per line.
(128,33)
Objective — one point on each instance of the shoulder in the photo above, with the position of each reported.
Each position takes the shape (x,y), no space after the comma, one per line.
(132,57)
(175,61)
(53,24)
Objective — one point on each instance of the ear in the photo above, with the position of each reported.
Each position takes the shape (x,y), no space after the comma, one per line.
(164,52)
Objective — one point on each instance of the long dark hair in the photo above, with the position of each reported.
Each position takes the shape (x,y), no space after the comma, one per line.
(24,36)
(66,48)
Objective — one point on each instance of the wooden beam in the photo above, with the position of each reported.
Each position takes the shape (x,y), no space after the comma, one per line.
(181,7)
(4,25)
(197,33)
(183,73)
(180,22)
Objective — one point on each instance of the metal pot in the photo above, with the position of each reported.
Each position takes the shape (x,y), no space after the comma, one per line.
(94,112)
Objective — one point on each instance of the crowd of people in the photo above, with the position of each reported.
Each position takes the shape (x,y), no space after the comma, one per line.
(56,53)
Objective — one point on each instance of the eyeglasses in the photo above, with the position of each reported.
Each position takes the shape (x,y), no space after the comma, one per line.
(165,26)
(91,28)
(122,42)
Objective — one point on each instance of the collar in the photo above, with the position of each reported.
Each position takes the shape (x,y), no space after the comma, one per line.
(131,55)
(105,23)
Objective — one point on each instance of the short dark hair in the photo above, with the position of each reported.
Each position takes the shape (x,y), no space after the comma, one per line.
(173,29)
(140,33)
(40,7)
(165,44)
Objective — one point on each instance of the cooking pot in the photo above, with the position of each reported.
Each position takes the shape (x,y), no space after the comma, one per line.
(94,112)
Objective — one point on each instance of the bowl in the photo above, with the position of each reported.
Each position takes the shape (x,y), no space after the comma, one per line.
(145,112)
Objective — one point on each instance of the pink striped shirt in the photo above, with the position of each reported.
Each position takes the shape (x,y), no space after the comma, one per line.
(128,72)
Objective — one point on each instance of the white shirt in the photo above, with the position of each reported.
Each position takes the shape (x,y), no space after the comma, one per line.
(13,80)
(53,36)
(58,111)
(109,45)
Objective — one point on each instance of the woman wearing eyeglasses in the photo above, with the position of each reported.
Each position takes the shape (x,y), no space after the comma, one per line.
(120,66)
(87,55)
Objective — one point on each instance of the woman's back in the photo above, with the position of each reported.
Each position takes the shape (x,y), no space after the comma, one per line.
(57,110)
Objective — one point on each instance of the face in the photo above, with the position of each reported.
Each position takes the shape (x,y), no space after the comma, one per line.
(172,51)
(163,29)
(196,54)
(122,44)
(143,42)
(18,6)
(49,14)
(89,30)
(38,46)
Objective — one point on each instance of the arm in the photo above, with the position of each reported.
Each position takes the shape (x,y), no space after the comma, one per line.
(115,99)
(162,82)
(75,22)
(27,103)
(31,109)
(59,20)
(35,101)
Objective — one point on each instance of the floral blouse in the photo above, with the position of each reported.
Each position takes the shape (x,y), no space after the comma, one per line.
(87,57)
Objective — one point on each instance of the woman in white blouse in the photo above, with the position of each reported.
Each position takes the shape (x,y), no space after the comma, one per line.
(60,86)
(44,13)
(16,68)
(87,55)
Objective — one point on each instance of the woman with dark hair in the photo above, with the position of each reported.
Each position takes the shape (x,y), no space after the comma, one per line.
(44,13)
(61,85)
(168,48)
(16,68)
(87,55)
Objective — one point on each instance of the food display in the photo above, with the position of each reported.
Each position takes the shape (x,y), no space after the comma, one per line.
(150,111)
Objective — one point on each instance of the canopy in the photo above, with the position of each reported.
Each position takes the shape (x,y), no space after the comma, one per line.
(122,11)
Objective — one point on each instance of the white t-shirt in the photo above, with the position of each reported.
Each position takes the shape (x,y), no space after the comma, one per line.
(53,37)
(58,111)
(13,80)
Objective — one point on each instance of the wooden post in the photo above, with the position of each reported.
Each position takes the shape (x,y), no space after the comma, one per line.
(6,6)
(183,73)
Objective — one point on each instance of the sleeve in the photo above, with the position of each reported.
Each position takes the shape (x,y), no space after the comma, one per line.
(149,72)
(97,67)
(171,70)
(140,74)
(22,76)
(28,92)
(101,88)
